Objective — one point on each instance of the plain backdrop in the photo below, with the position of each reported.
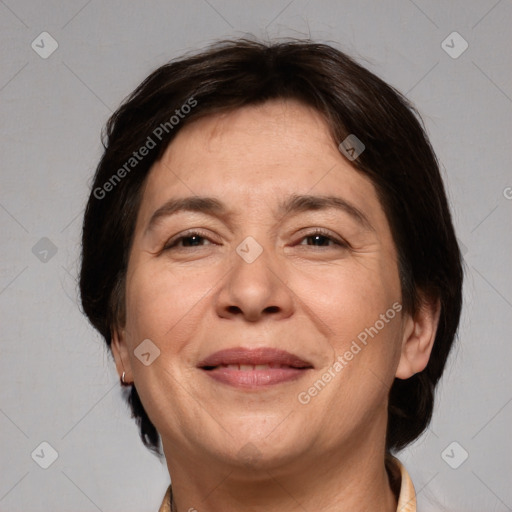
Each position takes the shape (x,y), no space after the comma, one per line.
(58,384)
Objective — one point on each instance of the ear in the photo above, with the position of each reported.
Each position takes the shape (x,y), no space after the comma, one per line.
(121,355)
(419,333)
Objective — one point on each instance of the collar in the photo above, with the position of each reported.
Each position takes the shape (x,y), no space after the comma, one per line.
(406,497)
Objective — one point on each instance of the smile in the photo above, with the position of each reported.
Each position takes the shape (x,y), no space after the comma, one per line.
(254,368)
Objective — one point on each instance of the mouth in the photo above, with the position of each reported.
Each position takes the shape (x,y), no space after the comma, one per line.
(254,368)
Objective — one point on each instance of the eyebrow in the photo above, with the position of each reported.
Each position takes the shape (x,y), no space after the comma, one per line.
(292,205)
(302,203)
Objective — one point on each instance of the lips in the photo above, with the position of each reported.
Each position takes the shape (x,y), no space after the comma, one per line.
(253,368)
(252,357)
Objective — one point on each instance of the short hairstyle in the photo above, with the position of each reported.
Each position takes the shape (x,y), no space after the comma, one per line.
(398,159)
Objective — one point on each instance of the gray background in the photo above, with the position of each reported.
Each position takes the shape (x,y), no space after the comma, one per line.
(57,382)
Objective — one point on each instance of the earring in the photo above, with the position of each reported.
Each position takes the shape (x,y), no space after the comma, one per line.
(123,380)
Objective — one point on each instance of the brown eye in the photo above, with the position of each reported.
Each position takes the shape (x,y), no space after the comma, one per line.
(188,240)
(322,238)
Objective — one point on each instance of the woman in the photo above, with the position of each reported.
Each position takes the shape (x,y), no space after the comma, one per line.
(269,254)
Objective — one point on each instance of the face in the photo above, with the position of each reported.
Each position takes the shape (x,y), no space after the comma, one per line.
(264,273)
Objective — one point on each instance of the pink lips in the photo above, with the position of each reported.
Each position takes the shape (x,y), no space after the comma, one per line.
(253,368)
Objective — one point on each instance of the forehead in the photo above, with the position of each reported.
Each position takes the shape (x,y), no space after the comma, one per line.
(252,139)
(253,157)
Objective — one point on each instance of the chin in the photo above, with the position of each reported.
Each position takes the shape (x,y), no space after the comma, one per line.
(261,443)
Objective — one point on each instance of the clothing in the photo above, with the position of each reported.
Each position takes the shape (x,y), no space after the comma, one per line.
(406,497)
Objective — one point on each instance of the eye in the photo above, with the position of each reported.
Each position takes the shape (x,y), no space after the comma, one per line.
(187,240)
(322,238)
(193,239)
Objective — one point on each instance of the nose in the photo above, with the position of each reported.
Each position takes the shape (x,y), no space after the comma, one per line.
(256,290)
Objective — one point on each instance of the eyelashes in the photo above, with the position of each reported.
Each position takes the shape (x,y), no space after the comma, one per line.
(321,235)
(189,237)
(194,239)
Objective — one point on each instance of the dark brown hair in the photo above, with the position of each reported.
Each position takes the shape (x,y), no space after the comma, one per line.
(397,158)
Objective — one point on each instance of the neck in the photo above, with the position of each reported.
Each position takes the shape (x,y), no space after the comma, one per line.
(347,480)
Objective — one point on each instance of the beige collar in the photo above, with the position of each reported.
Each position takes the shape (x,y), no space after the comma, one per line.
(407,497)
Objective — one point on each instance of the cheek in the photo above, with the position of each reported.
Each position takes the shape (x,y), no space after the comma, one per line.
(358,304)
(164,304)
(348,297)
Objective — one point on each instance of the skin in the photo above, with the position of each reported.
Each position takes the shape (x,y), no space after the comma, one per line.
(236,449)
